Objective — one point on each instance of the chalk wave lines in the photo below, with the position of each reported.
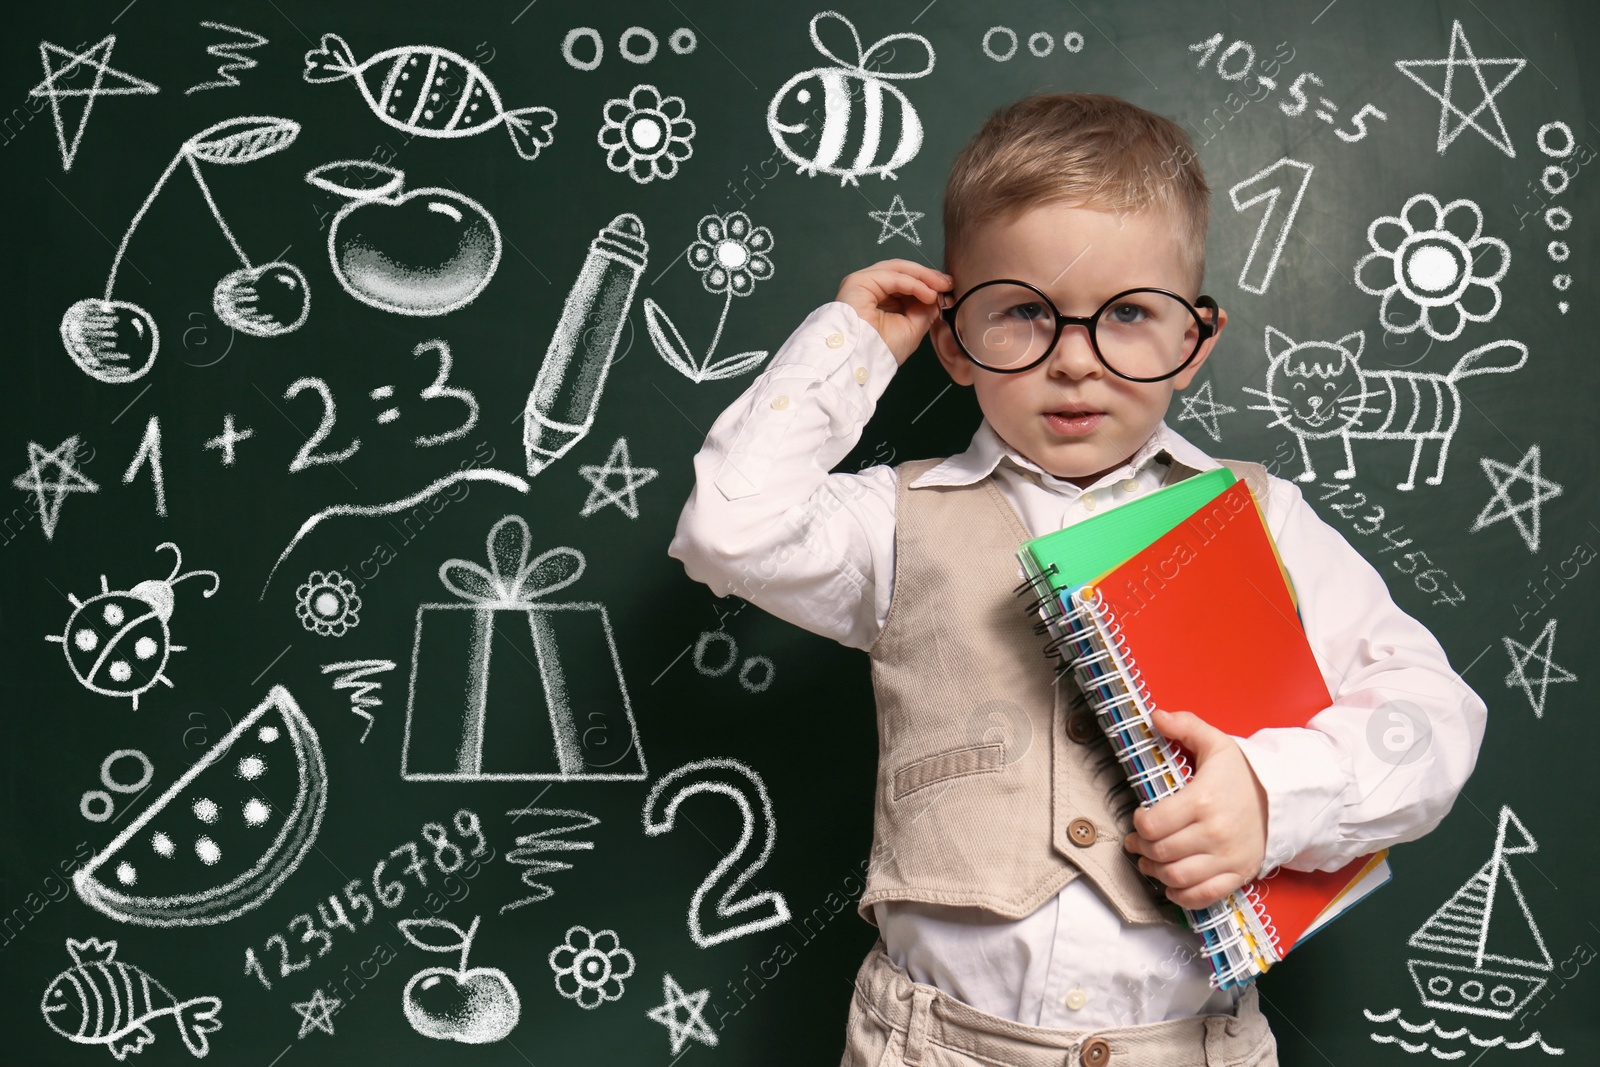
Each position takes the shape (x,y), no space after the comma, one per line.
(1448,1035)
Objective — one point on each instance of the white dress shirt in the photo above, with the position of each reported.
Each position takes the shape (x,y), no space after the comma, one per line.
(768,522)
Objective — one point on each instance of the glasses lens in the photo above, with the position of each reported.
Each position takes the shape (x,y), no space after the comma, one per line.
(1005,325)
(1146,335)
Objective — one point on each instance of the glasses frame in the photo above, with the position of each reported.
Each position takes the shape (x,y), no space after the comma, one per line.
(1207,329)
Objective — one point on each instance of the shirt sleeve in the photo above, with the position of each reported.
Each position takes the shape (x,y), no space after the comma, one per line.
(765,520)
(1383,764)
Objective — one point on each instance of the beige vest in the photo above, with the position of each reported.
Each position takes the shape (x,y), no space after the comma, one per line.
(995,786)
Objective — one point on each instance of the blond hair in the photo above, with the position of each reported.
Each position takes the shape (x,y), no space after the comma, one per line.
(1084,149)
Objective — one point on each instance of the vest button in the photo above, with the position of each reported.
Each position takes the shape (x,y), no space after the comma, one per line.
(1082,728)
(1095,1052)
(1083,834)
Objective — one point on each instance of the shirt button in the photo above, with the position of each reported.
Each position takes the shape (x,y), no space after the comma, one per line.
(1130,485)
(1095,1052)
(1076,998)
(861,375)
(780,403)
(1087,500)
(1082,832)
(1082,728)
(834,340)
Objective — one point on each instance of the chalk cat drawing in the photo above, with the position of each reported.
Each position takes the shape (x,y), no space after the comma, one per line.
(1319,389)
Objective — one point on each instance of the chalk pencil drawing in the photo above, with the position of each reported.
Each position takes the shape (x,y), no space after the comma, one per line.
(101,1000)
(476,1006)
(316,1014)
(693,1025)
(1318,389)
(106,806)
(1525,514)
(49,490)
(566,391)
(532,847)
(426,252)
(116,341)
(1535,685)
(149,454)
(858,103)
(227,441)
(755,673)
(619,464)
(356,676)
(65,82)
(327,604)
(646,135)
(590,967)
(1428,264)
(430,92)
(1454,81)
(261,789)
(117,643)
(1267,186)
(898,221)
(1203,408)
(231,52)
(739,915)
(731,257)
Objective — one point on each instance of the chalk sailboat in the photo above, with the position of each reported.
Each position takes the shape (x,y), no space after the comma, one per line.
(1487,921)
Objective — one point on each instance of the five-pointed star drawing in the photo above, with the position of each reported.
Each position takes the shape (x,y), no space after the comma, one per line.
(1202,409)
(906,229)
(1542,649)
(619,462)
(1503,477)
(317,1013)
(50,494)
(1461,58)
(694,1025)
(67,80)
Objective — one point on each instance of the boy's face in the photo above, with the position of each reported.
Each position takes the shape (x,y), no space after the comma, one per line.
(1070,415)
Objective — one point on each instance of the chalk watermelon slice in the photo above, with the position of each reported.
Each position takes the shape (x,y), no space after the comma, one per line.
(225,834)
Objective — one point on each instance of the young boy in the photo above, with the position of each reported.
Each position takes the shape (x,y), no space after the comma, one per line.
(1012,889)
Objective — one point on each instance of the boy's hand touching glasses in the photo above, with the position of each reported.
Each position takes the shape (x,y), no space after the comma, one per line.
(898,298)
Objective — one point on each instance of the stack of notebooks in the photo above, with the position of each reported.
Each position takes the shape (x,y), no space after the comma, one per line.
(1178,600)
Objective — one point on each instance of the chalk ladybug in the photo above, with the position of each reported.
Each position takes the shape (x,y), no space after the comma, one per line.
(117,643)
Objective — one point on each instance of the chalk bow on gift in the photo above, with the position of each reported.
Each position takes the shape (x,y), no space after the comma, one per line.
(512,578)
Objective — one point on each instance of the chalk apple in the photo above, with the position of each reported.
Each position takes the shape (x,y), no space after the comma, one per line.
(474,1006)
(427,252)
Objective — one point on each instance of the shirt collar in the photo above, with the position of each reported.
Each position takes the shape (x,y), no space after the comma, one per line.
(988,451)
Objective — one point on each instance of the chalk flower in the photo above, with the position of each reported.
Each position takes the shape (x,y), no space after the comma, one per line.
(1433,267)
(327,604)
(646,135)
(590,967)
(731,254)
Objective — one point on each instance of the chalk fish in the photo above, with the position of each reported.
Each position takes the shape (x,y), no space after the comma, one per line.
(430,91)
(103,1001)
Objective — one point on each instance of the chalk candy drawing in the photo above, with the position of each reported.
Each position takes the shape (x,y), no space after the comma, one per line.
(263,791)
(327,604)
(566,392)
(117,341)
(49,493)
(728,777)
(228,440)
(355,675)
(693,1005)
(96,805)
(1454,80)
(1318,389)
(1542,650)
(1266,187)
(858,102)
(149,454)
(65,82)
(590,968)
(1525,515)
(426,252)
(731,256)
(619,464)
(1203,408)
(475,1006)
(646,135)
(231,52)
(430,92)
(317,1013)
(102,1000)
(898,221)
(117,643)
(532,847)
(1433,267)
(755,673)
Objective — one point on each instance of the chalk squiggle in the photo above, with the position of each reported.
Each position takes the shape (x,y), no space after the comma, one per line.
(1450,1035)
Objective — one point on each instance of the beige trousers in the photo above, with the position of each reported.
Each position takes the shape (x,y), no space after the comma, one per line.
(894,1020)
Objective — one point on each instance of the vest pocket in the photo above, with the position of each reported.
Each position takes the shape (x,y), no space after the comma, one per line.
(942,766)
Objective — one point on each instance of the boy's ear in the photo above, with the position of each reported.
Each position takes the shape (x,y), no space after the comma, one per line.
(1182,380)
(958,366)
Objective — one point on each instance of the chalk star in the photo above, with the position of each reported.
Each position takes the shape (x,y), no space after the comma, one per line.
(694,1026)
(69,479)
(1542,489)
(228,438)
(1202,409)
(1542,649)
(93,64)
(1446,96)
(619,462)
(317,1013)
(906,229)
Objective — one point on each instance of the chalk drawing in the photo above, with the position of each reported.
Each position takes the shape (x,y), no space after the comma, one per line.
(475,1005)
(231,52)
(327,604)
(566,392)
(117,643)
(438,389)
(1040,44)
(49,492)
(590,968)
(430,92)
(149,454)
(1454,80)
(354,675)
(755,673)
(532,847)
(683,41)
(618,464)
(64,82)
(730,256)
(264,777)
(1474,1042)
(106,806)
(854,83)
(1526,514)
(646,135)
(102,1000)
(898,221)
(741,785)
(1203,408)
(693,1005)
(1318,389)
(228,439)
(1541,650)
(307,455)
(317,1013)
(1428,264)
(426,252)
(1257,189)
(1557,219)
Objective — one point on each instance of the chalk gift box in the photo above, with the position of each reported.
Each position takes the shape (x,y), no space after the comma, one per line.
(506,686)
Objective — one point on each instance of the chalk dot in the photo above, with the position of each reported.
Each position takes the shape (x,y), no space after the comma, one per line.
(1073,41)
(268,734)
(406,76)
(427,114)
(683,40)
(85,640)
(804,96)
(113,614)
(327,604)
(1544,139)
(120,671)
(252,767)
(1554,180)
(208,851)
(145,647)
(1559,251)
(255,812)
(412,62)
(162,844)
(1562,282)
(646,133)
(435,96)
(397,92)
(1562,307)
(126,874)
(1432,268)
(205,809)
(1558,218)
(732,254)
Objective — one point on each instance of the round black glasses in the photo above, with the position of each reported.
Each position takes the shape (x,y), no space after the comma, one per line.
(1142,335)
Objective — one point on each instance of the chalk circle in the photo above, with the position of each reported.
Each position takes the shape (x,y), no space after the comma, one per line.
(1566,131)
(1072,41)
(1501,996)
(1470,991)
(683,41)
(1439,985)
(652,45)
(1041,44)
(1559,251)
(1549,182)
(704,643)
(572,38)
(102,797)
(747,671)
(146,771)
(1555,213)
(1562,282)
(990,52)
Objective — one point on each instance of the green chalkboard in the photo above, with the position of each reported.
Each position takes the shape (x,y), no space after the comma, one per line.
(342,463)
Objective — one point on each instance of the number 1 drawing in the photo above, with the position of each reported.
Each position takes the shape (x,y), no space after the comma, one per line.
(1256,274)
